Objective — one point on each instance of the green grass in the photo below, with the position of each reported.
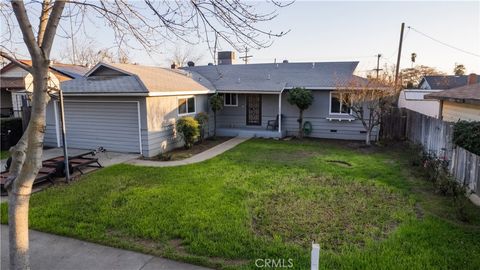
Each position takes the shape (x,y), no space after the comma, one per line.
(4,154)
(269,199)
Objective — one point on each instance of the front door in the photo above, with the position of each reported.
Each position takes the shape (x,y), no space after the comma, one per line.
(254,110)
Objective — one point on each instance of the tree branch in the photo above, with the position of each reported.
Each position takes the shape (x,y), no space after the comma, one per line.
(52,25)
(15,61)
(24,24)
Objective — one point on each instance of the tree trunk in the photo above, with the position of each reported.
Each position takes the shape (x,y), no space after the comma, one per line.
(300,125)
(27,161)
(367,138)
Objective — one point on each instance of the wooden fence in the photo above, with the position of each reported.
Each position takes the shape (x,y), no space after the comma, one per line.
(436,137)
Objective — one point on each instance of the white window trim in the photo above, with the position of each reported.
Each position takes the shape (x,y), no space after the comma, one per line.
(188,113)
(330,106)
(225,100)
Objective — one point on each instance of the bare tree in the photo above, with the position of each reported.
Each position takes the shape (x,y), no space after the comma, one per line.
(181,55)
(367,101)
(410,77)
(86,53)
(233,21)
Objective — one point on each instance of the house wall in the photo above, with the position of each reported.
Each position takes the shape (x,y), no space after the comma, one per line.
(162,113)
(317,115)
(51,132)
(414,100)
(454,111)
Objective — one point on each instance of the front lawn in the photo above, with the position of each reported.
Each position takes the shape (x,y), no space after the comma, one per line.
(269,199)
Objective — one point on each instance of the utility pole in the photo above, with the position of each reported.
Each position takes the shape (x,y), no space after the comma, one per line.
(245,58)
(378,64)
(399,53)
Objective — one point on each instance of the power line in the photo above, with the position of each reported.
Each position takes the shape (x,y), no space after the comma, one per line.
(443,43)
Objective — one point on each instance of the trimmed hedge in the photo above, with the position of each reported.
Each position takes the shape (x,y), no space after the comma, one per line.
(467,135)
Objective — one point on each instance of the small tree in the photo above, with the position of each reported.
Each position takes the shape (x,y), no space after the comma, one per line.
(216,104)
(368,101)
(202,119)
(302,98)
(188,127)
(459,69)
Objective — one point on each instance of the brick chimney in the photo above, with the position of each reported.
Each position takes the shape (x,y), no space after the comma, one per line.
(472,78)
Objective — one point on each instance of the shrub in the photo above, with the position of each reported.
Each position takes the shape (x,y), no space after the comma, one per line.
(302,98)
(436,171)
(202,119)
(467,135)
(188,127)
(216,104)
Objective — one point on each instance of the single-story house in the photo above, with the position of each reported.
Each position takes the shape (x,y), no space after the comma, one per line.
(461,103)
(133,108)
(126,108)
(414,99)
(13,89)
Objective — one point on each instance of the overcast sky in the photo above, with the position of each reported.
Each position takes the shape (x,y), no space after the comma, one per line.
(345,31)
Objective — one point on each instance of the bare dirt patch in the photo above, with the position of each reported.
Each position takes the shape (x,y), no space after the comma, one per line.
(182,153)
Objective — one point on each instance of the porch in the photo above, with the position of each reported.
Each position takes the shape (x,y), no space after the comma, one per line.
(246,132)
(251,115)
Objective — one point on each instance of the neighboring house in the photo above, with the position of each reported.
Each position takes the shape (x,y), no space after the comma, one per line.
(443,82)
(133,108)
(461,103)
(12,82)
(127,108)
(413,99)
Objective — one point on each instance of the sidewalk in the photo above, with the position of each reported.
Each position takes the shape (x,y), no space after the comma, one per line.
(52,252)
(208,154)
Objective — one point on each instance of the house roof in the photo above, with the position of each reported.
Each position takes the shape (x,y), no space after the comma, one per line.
(464,94)
(276,77)
(137,79)
(446,81)
(62,71)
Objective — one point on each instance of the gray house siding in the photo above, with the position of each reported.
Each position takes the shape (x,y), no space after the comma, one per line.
(50,138)
(317,114)
(162,113)
(83,115)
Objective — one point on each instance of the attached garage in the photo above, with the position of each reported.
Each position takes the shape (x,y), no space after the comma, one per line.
(112,125)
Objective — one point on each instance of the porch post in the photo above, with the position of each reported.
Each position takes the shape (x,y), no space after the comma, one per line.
(280,113)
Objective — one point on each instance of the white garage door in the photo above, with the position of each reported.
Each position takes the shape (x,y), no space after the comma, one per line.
(112,125)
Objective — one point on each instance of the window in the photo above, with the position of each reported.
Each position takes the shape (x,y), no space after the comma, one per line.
(186,105)
(337,104)
(230,99)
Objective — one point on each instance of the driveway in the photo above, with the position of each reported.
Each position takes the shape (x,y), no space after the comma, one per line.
(106,158)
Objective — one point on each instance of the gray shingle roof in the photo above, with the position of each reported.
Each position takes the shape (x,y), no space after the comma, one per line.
(157,79)
(104,84)
(275,77)
(138,79)
(468,93)
(446,81)
(73,71)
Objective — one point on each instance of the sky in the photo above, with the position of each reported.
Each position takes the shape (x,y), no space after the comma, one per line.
(351,31)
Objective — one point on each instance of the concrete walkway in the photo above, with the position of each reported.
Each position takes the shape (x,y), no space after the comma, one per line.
(208,154)
(52,252)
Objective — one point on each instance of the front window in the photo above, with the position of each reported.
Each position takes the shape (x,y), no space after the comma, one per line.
(338,104)
(230,99)
(186,105)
